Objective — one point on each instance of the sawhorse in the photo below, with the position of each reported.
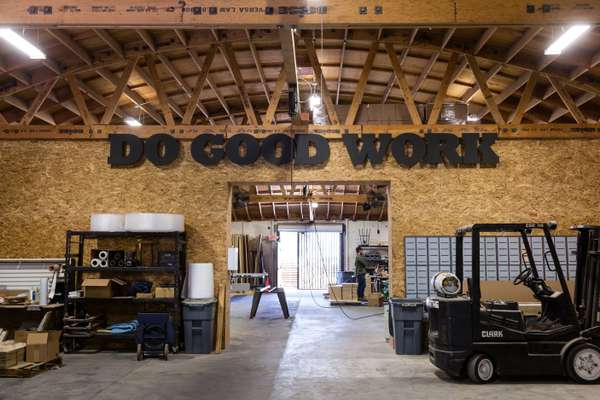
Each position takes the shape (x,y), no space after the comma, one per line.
(280,295)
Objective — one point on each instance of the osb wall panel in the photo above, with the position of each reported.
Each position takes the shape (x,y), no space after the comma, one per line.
(50,186)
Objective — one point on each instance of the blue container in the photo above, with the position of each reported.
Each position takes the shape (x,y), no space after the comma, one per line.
(407,315)
(198,317)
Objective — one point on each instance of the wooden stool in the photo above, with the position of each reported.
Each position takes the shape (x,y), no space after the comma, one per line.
(280,295)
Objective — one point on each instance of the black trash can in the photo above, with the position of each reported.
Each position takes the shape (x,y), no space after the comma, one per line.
(198,317)
(407,316)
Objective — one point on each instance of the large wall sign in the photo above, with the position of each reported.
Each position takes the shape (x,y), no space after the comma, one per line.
(407,149)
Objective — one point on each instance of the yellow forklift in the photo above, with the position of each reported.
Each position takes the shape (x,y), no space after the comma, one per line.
(468,337)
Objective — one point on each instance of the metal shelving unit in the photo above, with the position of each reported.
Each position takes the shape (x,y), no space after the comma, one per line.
(75,250)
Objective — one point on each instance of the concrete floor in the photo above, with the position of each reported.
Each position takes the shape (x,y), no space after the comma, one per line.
(317,354)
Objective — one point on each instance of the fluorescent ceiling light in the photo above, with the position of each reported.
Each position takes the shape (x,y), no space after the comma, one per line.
(22,44)
(133,122)
(472,118)
(314,101)
(566,39)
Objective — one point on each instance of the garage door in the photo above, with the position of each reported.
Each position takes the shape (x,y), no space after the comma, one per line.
(424,256)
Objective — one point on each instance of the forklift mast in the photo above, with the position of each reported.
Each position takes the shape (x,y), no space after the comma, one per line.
(587,283)
(524,229)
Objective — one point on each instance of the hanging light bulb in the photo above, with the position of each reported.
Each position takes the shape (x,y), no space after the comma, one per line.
(314,101)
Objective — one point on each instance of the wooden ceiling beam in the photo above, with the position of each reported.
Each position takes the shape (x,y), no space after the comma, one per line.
(160,91)
(432,60)
(568,100)
(341,67)
(37,102)
(274,101)
(401,79)
(403,56)
(487,94)
(512,52)
(258,64)
(87,117)
(441,94)
(111,42)
(316,66)
(507,92)
(71,44)
(200,82)
(524,100)
(362,83)
(120,87)
(579,101)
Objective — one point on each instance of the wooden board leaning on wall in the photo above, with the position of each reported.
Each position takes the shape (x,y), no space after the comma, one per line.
(333,132)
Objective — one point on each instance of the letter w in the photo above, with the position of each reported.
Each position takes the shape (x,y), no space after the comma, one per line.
(368,151)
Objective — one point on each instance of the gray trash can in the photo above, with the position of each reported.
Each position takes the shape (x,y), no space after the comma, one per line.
(198,317)
(407,315)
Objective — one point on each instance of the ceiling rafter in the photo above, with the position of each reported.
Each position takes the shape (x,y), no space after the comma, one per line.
(432,60)
(403,56)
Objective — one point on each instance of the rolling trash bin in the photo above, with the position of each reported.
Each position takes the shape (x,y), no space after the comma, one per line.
(407,316)
(198,317)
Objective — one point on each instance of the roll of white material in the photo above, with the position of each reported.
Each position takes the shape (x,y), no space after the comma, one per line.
(154,222)
(103,255)
(44,291)
(200,281)
(104,263)
(95,262)
(107,222)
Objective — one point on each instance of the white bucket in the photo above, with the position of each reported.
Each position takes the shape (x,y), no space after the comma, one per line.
(200,281)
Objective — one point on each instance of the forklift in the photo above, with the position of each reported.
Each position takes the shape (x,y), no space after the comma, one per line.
(481,340)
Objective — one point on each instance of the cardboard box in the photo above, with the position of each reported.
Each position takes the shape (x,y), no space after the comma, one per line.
(335,292)
(349,291)
(41,346)
(11,353)
(94,288)
(375,300)
(164,292)
(144,295)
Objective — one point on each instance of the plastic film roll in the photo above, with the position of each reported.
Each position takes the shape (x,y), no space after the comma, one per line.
(103,255)
(200,281)
(154,222)
(103,263)
(107,222)
(95,262)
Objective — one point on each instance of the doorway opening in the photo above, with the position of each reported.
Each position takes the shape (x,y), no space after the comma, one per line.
(304,235)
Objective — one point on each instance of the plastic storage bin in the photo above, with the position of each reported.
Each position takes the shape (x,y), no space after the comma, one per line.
(407,316)
(198,317)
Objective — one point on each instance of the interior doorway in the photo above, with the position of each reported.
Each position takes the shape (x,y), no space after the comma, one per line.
(304,235)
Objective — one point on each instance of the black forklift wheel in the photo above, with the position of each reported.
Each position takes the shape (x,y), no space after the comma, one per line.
(480,369)
(583,364)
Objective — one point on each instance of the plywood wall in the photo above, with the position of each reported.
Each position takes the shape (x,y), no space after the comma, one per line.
(48,187)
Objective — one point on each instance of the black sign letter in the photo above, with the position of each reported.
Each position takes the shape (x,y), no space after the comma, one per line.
(125,149)
(234,145)
(303,144)
(369,150)
(214,154)
(269,149)
(161,149)
(439,144)
(399,149)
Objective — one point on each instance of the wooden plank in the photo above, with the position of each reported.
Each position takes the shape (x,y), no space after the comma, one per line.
(485,90)
(441,94)
(231,61)
(71,44)
(168,14)
(208,60)
(314,61)
(287,37)
(121,84)
(567,100)
(401,79)
(38,101)
(331,132)
(84,112)
(524,100)
(160,91)
(220,318)
(362,83)
(319,198)
(258,64)
(275,97)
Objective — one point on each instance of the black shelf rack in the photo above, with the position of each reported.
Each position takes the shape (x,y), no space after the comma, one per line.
(75,250)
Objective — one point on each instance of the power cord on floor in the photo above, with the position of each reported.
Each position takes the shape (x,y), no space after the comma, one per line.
(340,307)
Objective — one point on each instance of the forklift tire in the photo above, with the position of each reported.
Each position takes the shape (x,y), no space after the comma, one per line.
(481,369)
(583,364)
